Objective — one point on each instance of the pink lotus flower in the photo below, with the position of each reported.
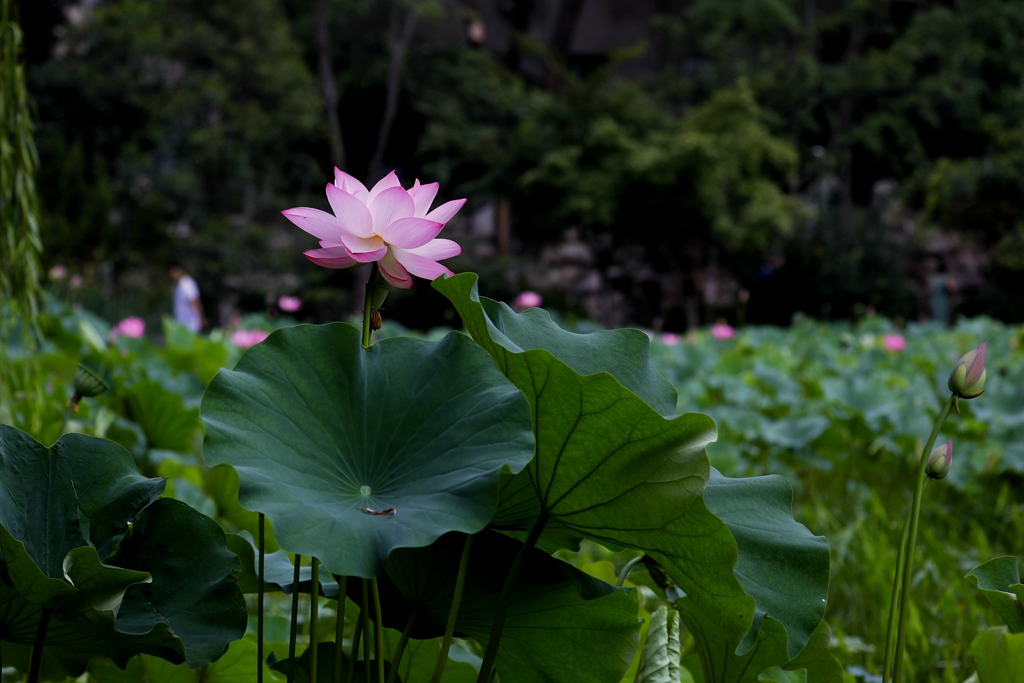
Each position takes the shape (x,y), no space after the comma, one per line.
(526,300)
(129,327)
(388,224)
(722,331)
(894,342)
(243,339)
(58,272)
(289,304)
(669,339)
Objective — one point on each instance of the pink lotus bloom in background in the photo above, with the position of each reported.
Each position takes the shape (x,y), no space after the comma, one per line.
(58,272)
(722,331)
(669,339)
(289,304)
(894,342)
(129,327)
(388,224)
(526,300)
(243,339)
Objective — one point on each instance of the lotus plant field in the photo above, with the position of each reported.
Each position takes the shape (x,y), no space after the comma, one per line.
(515,500)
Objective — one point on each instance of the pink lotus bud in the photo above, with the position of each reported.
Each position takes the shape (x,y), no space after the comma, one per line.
(894,342)
(243,339)
(669,339)
(58,272)
(940,460)
(968,377)
(526,300)
(289,304)
(129,327)
(722,331)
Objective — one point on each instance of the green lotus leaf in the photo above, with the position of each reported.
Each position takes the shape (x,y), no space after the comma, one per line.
(192,592)
(721,664)
(420,659)
(163,417)
(325,666)
(781,564)
(325,434)
(999,581)
(278,571)
(561,624)
(611,468)
(122,571)
(623,353)
(999,656)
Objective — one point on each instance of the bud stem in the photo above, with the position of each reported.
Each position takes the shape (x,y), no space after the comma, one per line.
(908,563)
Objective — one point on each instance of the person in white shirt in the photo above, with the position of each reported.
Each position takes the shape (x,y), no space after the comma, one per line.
(188,307)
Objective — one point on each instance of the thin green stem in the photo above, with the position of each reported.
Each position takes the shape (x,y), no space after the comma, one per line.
(396,658)
(915,517)
(378,630)
(293,635)
(367,305)
(365,594)
(624,574)
(356,636)
(894,601)
(339,627)
(314,614)
(37,646)
(453,613)
(67,415)
(498,625)
(259,600)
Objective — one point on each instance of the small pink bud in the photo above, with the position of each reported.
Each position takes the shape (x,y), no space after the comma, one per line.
(894,342)
(289,304)
(722,331)
(669,339)
(526,300)
(129,327)
(940,460)
(968,377)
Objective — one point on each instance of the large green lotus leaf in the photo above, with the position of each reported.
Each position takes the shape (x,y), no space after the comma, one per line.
(278,571)
(999,656)
(624,353)
(163,417)
(611,468)
(721,664)
(50,500)
(325,666)
(781,563)
(322,431)
(420,659)
(193,593)
(999,581)
(74,642)
(562,625)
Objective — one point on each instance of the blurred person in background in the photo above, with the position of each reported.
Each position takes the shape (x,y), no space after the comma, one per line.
(188,307)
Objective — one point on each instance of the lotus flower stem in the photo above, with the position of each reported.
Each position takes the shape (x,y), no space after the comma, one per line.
(487,666)
(908,565)
(314,609)
(396,658)
(356,636)
(339,627)
(897,588)
(368,304)
(627,569)
(259,600)
(364,615)
(378,631)
(37,646)
(295,620)
(453,613)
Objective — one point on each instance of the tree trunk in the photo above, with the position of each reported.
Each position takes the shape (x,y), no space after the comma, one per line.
(328,85)
(398,47)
